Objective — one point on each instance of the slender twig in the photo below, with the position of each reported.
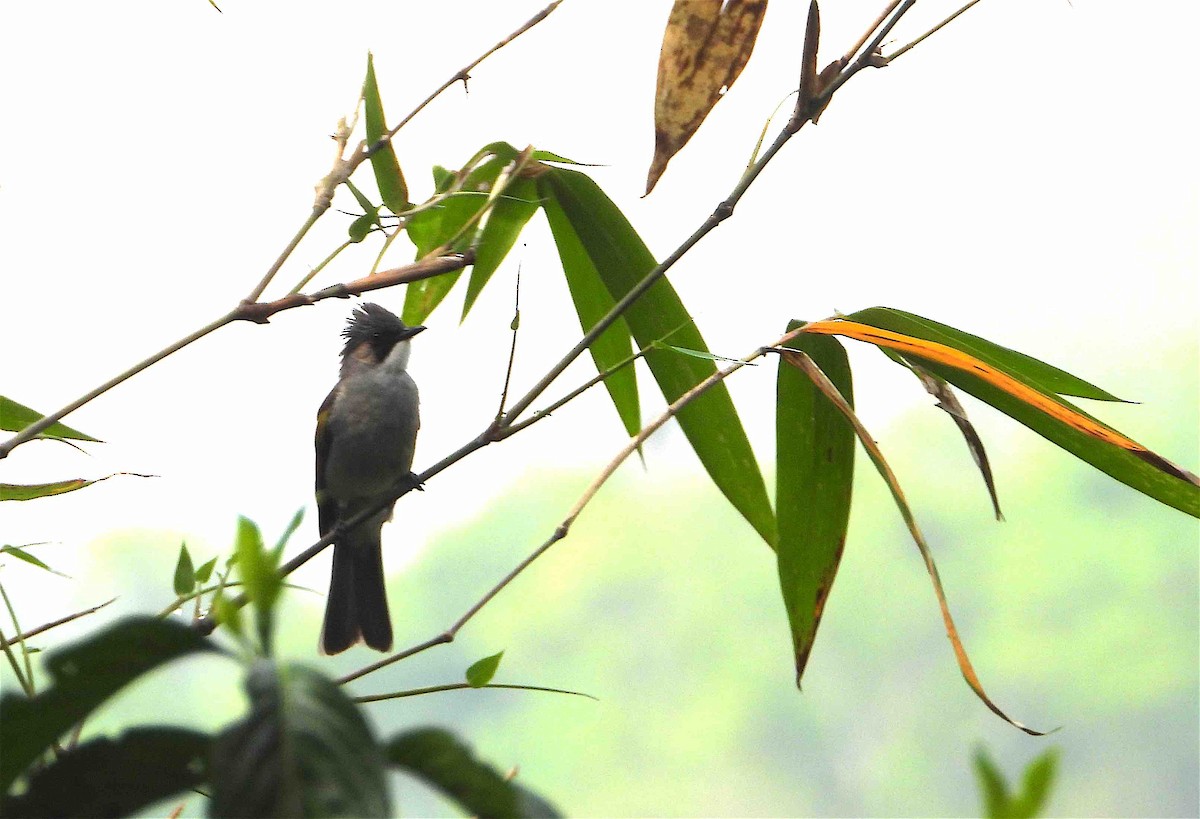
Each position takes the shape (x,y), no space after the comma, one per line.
(564,528)
(312,274)
(25,679)
(867,34)
(33,632)
(931,31)
(317,212)
(512,351)
(462,76)
(434,689)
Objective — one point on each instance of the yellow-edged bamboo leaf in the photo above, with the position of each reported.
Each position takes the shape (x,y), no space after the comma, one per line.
(826,386)
(814,476)
(1049,405)
(705,47)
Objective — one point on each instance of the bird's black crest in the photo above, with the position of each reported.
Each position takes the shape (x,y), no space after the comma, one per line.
(370,322)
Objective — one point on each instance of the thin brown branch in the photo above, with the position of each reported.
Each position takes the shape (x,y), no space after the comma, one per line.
(931,31)
(435,689)
(33,632)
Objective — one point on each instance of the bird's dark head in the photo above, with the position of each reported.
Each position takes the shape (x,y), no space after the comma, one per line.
(373,331)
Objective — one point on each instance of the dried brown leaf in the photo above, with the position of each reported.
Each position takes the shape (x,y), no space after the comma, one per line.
(705,47)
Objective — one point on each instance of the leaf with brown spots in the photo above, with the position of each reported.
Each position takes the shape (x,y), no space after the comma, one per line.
(705,47)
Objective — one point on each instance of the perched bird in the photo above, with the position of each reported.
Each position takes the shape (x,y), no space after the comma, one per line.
(366,433)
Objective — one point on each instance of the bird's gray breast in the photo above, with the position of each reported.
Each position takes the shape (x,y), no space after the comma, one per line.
(373,427)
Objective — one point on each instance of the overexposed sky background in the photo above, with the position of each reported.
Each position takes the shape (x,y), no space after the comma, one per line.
(1029,174)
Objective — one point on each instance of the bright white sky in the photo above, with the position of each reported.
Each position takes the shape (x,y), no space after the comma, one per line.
(1029,174)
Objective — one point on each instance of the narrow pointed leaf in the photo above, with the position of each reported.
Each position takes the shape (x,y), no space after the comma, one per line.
(21,492)
(592,300)
(711,422)
(822,382)
(388,177)
(949,403)
(185,573)
(481,671)
(1038,374)
(84,675)
(15,417)
(1021,396)
(20,554)
(117,776)
(1035,785)
(508,218)
(440,760)
(814,469)
(992,784)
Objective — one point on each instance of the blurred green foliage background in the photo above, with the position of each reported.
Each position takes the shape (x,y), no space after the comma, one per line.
(1080,611)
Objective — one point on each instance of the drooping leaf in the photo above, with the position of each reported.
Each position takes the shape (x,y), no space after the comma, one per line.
(1019,391)
(481,671)
(621,259)
(15,417)
(814,477)
(508,218)
(439,760)
(949,403)
(304,749)
(826,386)
(592,300)
(84,675)
(118,776)
(992,784)
(705,47)
(185,573)
(661,345)
(388,177)
(262,582)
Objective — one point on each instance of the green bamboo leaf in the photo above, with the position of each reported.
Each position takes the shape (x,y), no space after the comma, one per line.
(1119,463)
(433,228)
(15,417)
(814,476)
(21,492)
(1038,374)
(592,300)
(481,671)
(1035,785)
(440,760)
(20,554)
(388,177)
(185,573)
(992,783)
(710,423)
(504,224)
(204,570)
